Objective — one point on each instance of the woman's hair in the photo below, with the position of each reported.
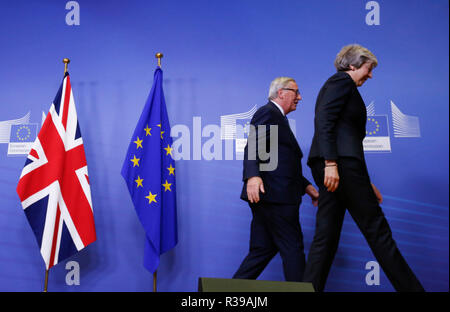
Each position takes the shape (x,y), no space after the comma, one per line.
(353,54)
(277,84)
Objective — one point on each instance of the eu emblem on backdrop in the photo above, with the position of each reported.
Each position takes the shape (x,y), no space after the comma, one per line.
(22,138)
(377,134)
(149,172)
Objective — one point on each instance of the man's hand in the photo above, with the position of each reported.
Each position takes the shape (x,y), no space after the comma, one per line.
(313,193)
(377,194)
(331,175)
(254,186)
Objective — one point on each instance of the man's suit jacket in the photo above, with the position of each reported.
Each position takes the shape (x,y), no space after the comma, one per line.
(286,183)
(340,120)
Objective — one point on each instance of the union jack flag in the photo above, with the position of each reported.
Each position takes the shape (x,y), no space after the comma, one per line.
(54,185)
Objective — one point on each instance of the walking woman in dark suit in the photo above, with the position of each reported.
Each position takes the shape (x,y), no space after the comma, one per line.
(338,166)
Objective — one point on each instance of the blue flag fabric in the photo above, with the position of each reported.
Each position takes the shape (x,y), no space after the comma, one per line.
(149,172)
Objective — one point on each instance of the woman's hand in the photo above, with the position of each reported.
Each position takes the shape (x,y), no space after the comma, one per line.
(331,175)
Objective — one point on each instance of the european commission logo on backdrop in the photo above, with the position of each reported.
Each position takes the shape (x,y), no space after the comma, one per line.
(377,130)
(235,127)
(19,134)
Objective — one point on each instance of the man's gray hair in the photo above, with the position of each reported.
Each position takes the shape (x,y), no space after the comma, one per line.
(277,84)
(353,54)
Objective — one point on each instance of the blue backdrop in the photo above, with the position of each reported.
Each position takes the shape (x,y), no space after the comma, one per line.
(219,59)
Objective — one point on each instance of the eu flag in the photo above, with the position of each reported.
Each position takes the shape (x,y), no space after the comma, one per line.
(377,126)
(149,171)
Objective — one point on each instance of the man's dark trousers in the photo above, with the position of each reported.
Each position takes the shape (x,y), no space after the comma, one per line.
(274,227)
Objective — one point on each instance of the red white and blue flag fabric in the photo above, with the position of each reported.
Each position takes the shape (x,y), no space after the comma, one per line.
(54,185)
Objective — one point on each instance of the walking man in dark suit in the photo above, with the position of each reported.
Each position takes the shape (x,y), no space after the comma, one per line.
(274,186)
(339,169)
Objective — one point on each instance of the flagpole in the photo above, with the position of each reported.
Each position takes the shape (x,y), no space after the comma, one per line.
(46,280)
(159,56)
(66,61)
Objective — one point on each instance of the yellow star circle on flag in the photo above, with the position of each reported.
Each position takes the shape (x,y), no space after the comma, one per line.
(151,197)
(377,126)
(139,181)
(138,143)
(23,136)
(135,161)
(168,150)
(167,186)
(159,125)
(171,170)
(147,130)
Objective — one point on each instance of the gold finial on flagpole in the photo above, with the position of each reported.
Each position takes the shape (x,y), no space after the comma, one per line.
(159,56)
(66,61)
